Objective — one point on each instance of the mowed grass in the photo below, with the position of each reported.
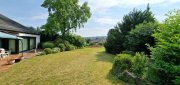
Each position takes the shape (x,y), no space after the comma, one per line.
(88,66)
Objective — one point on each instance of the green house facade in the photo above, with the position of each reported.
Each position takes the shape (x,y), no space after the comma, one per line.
(16,37)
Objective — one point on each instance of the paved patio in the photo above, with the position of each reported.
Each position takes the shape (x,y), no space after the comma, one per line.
(4,62)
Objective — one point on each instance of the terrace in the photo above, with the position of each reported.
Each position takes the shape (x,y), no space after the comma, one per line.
(5,62)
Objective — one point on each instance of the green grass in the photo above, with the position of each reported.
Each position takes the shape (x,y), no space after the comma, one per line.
(89,66)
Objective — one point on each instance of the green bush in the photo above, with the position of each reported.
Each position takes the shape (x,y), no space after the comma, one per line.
(47,45)
(138,38)
(70,47)
(166,53)
(62,47)
(76,40)
(58,41)
(92,44)
(128,52)
(48,50)
(139,64)
(56,50)
(121,62)
(40,53)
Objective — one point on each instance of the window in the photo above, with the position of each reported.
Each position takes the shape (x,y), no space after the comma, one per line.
(32,43)
(12,46)
(24,41)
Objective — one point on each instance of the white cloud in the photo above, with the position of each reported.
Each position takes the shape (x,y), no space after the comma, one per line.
(89,32)
(40,16)
(106,21)
(101,4)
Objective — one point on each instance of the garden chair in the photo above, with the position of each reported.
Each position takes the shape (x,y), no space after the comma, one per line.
(4,53)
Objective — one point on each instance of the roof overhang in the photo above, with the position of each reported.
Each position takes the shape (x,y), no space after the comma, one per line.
(8,36)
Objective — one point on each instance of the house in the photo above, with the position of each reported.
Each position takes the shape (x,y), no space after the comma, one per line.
(16,37)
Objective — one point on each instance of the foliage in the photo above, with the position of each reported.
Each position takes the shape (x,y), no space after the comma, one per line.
(47,45)
(114,41)
(48,50)
(62,47)
(166,52)
(45,36)
(128,52)
(76,40)
(65,16)
(70,47)
(138,38)
(121,62)
(117,36)
(40,53)
(56,50)
(92,43)
(139,64)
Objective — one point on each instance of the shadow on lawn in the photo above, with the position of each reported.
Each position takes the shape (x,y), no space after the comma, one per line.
(106,57)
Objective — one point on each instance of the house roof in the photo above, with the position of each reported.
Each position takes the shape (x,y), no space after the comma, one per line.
(5,35)
(11,25)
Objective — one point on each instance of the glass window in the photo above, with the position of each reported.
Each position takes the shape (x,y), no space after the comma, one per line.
(12,46)
(32,43)
(23,42)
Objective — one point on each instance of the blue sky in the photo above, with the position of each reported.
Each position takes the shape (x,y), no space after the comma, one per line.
(105,13)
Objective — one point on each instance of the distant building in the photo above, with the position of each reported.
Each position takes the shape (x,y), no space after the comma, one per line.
(16,37)
(96,39)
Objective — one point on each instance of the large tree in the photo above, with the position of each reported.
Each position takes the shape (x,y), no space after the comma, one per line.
(128,23)
(65,16)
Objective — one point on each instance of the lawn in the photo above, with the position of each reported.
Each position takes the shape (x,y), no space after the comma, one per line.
(88,66)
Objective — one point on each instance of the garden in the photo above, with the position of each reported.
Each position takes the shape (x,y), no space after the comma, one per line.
(147,50)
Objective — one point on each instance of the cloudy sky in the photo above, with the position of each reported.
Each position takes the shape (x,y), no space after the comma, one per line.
(105,13)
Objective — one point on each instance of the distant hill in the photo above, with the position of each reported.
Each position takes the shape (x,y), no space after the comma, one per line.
(98,39)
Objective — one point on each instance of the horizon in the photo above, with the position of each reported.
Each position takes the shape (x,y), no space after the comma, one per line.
(31,14)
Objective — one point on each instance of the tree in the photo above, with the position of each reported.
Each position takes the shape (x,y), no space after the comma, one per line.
(166,51)
(137,38)
(127,24)
(65,16)
(115,46)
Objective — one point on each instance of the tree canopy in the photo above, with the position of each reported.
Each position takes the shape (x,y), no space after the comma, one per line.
(128,23)
(65,16)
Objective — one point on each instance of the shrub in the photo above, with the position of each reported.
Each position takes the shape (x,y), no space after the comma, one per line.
(40,53)
(48,50)
(47,45)
(138,38)
(114,41)
(128,52)
(62,47)
(166,51)
(70,47)
(58,41)
(121,62)
(56,50)
(92,43)
(76,40)
(139,64)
